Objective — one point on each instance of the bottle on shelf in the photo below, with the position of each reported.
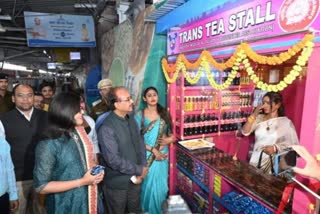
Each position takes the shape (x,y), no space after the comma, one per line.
(185,102)
(178,103)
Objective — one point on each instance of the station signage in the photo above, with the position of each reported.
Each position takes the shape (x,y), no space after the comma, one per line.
(59,30)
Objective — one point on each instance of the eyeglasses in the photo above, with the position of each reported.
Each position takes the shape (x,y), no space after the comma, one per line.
(24,95)
(125,100)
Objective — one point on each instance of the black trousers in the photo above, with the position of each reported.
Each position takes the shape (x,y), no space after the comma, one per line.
(123,201)
(4,204)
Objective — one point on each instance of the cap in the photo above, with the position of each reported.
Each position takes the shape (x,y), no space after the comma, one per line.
(104,83)
(3,76)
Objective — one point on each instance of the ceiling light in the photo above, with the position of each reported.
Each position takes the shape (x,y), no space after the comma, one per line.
(5,17)
(9,66)
(85,5)
(2,29)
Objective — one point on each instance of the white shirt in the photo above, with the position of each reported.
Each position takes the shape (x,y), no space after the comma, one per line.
(92,134)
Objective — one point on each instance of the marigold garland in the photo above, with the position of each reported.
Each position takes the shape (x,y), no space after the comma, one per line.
(288,79)
(241,56)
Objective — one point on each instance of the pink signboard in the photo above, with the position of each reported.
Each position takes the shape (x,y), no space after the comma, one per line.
(247,22)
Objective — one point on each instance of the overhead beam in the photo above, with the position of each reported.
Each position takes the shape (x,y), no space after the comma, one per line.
(195,8)
(30,59)
(20,54)
(14,28)
(12,42)
(13,38)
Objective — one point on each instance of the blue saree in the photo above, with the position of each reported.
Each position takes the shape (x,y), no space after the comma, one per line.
(155,185)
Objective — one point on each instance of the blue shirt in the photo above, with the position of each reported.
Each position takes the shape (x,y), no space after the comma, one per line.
(7,176)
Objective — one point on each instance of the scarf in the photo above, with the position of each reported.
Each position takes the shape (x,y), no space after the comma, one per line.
(89,156)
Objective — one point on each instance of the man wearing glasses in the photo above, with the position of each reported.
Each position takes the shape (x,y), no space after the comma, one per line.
(22,127)
(124,155)
(100,106)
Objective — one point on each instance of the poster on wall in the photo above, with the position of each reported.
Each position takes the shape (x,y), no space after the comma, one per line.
(59,30)
(250,21)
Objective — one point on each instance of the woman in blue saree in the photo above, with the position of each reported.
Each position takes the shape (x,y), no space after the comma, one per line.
(156,124)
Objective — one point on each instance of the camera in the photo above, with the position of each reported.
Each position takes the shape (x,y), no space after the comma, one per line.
(97,170)
(284,161)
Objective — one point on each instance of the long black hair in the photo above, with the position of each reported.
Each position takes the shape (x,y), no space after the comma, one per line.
(276,98)
(63,108)
(164,114)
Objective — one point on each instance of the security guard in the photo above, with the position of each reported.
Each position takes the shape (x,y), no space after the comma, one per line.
(100,106)
(6,103)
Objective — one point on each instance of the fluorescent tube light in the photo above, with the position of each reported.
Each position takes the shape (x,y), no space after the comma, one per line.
(85,5)
(5,17)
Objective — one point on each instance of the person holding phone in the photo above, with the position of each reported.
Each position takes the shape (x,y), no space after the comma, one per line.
(64,160)
(312,168)
(273,131)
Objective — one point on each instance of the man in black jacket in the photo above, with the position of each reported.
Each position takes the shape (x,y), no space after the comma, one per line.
(124,154)
(22,128)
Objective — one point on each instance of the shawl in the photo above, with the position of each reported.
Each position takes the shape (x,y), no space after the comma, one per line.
(89,156)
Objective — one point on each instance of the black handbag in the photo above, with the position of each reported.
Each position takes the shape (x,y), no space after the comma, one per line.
(271,162)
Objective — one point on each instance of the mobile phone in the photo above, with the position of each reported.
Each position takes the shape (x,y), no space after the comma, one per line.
(134,179)
(97,170)
(284,161)
(261,111)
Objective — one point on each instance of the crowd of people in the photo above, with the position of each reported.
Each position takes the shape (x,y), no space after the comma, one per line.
(50,142)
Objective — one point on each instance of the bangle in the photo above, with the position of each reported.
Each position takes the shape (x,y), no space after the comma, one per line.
(275,149)
(151,150)
(251,119)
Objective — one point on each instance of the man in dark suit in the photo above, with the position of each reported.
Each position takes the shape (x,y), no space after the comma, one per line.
(124,155)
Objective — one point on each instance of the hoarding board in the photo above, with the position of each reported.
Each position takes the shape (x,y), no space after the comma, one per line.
(59,30)
(249,21)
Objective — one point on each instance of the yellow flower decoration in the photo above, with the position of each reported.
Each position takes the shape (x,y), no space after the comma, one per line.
(241,56)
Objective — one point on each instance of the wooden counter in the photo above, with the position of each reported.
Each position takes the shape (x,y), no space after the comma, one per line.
(266,189)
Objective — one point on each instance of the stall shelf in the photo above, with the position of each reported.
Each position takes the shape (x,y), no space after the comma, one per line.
(201,111)
(213,173)
(275,34)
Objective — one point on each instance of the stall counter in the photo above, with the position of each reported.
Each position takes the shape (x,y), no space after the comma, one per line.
(267,189)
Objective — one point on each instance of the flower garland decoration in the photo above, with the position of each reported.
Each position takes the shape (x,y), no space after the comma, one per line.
(241,56)
(194,80)
(177,68)
(212,81)
(289,78)
(282,57)
(182,58)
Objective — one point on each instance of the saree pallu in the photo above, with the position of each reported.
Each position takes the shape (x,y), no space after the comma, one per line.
(155,185)
(279,132)
(89,156)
